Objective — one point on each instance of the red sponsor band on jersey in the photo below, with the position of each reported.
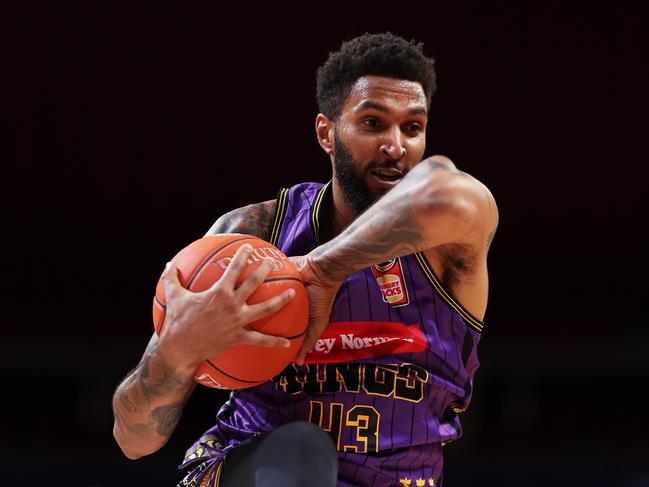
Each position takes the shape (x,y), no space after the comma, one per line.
(354,340)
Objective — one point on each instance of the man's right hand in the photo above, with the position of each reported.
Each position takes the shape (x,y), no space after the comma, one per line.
(202,325)
(148,403)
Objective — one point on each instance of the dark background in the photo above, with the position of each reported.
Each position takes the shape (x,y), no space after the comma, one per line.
(132,130)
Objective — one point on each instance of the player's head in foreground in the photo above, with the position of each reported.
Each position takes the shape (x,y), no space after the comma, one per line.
(373,95)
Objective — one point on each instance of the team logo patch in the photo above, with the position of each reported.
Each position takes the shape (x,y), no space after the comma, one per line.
(389,277)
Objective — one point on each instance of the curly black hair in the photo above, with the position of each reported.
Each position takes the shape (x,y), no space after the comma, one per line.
(371,54)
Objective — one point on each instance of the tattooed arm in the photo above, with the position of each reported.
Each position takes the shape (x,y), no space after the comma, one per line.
(148,403)
(433,206)
(252,220)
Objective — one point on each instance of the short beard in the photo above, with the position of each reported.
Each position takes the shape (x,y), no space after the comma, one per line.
(355,191)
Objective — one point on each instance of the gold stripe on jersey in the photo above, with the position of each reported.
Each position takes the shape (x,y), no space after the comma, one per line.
(437,285)
(315,213)
(217,483)
(280,212)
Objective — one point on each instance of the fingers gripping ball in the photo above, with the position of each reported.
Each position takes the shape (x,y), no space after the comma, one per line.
(200,265)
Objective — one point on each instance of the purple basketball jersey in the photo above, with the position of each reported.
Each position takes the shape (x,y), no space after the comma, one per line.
(387,380)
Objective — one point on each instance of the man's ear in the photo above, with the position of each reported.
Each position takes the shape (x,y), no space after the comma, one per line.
(324,129)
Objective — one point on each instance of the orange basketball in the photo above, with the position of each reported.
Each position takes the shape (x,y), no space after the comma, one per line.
(200,265)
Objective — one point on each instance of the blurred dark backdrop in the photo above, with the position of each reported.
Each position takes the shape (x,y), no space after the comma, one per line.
(132,129)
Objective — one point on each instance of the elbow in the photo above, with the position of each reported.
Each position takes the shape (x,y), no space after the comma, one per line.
(128,451)
(131,455)
(131,451)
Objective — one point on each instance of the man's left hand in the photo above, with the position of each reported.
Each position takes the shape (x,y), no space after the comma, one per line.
(322,292)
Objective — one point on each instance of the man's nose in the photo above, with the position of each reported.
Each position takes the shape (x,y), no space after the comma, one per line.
(392,145)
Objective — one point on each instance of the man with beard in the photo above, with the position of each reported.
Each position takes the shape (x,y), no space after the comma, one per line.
(393,251)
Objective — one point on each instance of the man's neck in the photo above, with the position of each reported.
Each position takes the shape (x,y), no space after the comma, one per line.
(342,215)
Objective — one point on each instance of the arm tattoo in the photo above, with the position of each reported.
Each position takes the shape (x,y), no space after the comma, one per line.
(365,247)
(394,226)
(166,417)
(128,408)
(146,386)
(164,380)
(252,220)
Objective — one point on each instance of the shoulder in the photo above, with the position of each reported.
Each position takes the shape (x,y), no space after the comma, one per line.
(255,219)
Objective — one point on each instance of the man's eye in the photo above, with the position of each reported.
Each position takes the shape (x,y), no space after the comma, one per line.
(371,122)
(414,127)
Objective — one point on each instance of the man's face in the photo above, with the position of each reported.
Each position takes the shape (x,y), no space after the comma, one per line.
(379,136)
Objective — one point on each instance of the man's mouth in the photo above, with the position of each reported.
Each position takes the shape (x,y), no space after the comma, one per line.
(387,174)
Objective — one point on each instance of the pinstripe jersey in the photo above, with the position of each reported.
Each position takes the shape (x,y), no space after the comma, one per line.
(388,378)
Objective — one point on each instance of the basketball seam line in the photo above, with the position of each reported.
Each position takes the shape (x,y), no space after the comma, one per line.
(273,279)
(233,377)
(218,369)
(209,257)
(162,305)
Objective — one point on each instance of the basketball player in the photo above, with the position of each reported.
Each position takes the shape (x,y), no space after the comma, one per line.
(393,251)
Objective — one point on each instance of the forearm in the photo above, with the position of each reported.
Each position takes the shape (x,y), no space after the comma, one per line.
(148,404)
(417,214)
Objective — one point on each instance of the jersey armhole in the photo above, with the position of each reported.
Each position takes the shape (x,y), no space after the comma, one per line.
(280,213)
(427,269)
